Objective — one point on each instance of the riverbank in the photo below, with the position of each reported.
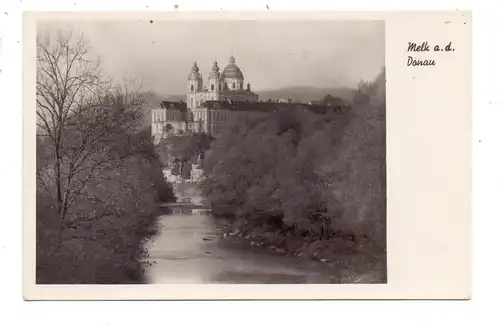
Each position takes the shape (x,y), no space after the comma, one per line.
(101,238)
(188,250)
(349,262)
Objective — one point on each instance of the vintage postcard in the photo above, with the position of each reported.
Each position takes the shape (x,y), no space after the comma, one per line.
(247,155)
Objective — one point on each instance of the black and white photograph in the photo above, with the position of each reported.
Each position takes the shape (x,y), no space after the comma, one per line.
(211,158)
(246,155)
(210,152)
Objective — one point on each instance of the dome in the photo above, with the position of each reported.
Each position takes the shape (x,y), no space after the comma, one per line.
(232,70)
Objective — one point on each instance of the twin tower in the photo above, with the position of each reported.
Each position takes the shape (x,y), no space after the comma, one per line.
(228,85)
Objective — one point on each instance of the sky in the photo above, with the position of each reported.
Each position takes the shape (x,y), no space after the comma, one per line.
(271,54)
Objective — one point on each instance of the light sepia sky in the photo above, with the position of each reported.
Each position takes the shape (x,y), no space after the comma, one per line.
(271,54)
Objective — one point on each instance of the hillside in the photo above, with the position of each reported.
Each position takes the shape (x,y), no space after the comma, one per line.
(176,98)
(305,94)
(297,94)
(153,100)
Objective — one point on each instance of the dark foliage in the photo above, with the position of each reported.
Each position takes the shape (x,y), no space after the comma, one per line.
(102,240)
(295,173)
(99,179)
(183,148)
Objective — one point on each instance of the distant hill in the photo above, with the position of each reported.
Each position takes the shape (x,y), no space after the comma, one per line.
(305,94)
(175,98)
(153,100)
(297,94)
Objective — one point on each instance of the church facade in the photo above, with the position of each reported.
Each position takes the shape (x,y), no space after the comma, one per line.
(206,107)
(209,108)
(228,85)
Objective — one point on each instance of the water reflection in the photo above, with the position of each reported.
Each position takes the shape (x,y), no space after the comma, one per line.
(187,250)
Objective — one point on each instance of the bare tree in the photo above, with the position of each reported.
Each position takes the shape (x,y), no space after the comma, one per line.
(83,122)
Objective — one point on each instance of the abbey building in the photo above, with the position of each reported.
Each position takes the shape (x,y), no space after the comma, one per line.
(209,108)
(206,107)
(228,85)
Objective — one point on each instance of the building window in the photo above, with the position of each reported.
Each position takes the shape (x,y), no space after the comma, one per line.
(213,87)
(234,85)
(192,87)
(192,102)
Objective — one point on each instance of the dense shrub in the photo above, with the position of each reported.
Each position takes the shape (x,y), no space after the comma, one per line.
(304,174)
(102,242)
(183,148)
(99,180)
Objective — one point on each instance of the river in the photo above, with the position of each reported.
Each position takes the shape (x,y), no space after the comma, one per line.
(187,250)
